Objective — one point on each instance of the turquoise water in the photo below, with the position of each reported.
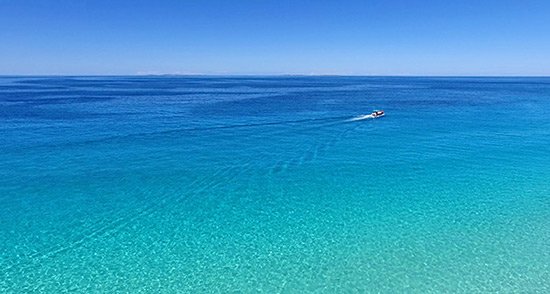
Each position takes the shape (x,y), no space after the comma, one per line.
(263,184)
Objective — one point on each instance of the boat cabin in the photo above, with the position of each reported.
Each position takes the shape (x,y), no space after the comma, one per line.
(377,113)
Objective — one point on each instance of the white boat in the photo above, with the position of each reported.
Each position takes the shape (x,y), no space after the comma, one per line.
(374,114)
(377,113)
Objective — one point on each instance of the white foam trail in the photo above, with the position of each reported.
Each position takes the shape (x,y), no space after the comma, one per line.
(361,117)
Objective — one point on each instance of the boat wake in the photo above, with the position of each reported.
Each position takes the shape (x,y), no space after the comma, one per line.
(361,117)
(374,114)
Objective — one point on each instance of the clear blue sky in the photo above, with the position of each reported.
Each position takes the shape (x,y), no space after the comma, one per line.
(382,37)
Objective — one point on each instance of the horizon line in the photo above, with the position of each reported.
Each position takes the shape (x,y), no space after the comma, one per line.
(272,75)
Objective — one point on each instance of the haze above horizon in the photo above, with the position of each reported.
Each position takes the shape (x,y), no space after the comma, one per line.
(275,38)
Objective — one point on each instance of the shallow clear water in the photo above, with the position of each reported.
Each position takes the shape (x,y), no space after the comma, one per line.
(192,184)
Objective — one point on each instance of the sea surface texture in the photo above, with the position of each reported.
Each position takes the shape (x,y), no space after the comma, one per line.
(266,184)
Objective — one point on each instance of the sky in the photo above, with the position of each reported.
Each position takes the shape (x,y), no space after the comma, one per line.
(247,37)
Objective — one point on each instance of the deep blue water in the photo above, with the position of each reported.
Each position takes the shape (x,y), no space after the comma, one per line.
(249,184)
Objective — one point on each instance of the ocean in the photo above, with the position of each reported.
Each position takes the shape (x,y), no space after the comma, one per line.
(266,184)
